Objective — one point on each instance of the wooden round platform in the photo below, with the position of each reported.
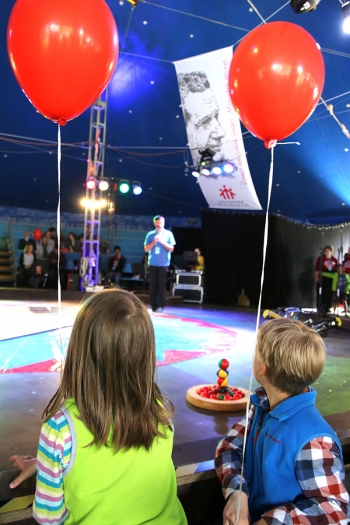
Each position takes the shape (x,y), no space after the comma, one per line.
(214,404)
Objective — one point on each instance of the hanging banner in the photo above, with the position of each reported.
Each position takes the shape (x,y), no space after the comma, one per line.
(212,123)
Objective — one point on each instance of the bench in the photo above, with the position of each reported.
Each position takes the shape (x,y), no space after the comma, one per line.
(197,485)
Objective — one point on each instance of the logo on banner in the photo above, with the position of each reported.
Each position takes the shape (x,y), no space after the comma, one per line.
(227,193)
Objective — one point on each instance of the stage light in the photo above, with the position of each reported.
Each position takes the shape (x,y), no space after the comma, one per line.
(345,9)
(103,185)
(90,183)
(196,173)
(136,188)
(304,6)
(205,172)
(228,168)
(206,156)
(216,170)
(124,187)
(93,204)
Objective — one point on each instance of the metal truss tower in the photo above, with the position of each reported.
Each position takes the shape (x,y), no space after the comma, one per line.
(89,268)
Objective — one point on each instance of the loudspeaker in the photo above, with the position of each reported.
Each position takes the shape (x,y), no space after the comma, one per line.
(189,294)
(192,278)
(73,282)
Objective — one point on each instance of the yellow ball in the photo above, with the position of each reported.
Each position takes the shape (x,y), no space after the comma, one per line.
(222,373)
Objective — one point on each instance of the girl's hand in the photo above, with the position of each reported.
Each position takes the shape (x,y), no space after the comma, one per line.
(27,464)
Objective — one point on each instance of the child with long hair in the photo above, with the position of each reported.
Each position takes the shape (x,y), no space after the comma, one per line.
(104,454)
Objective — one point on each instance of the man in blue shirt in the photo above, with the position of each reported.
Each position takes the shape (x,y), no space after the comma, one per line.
(159,244)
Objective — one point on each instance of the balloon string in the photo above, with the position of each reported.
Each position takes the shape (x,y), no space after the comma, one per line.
(266,231)
(257,12)
(279,143)
(58,228)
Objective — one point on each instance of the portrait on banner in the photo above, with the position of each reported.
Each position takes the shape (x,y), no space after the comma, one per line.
(213,126)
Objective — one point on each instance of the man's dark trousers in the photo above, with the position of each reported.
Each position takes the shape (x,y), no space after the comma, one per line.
(157,285)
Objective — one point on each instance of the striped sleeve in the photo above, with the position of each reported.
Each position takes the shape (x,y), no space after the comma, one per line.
(320,472)
(54,453)
(229,456)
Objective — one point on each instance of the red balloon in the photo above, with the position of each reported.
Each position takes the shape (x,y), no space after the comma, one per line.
(37,234)
(276,79)
(63,53)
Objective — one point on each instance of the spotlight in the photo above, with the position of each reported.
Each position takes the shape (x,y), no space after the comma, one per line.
(345,9)
(206,156)
(205,172)
(90,183)
(304,6)
(124,187)
(93,204)
(228,168)
(216,170)
(103,185)
(136,188)
(196,173)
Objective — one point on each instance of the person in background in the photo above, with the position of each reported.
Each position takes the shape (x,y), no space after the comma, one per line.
(199,265)
(116,265)
(159,244)
(26,239)
(325,263)
(26,266)
(43,251)
(346,262)
(105,447)
(53,234)
(293,468)
(340,288)
(39,279)
(72,243)
(50,240)
(53,269)
(103,257)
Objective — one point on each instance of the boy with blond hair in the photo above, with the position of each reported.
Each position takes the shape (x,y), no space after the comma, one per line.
(293,465)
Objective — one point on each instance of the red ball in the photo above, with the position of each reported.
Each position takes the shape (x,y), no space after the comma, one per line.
(224,364)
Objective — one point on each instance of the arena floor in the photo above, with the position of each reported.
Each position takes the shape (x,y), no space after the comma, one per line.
(190,342)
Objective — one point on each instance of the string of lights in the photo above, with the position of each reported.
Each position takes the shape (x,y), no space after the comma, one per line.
(210,168)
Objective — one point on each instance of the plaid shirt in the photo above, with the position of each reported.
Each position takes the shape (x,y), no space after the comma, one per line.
(318,468)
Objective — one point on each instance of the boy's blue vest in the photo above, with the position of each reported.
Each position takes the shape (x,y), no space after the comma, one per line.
(274,442)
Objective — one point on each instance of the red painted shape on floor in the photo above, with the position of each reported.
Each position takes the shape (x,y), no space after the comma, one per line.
(52,365)
(177,356)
